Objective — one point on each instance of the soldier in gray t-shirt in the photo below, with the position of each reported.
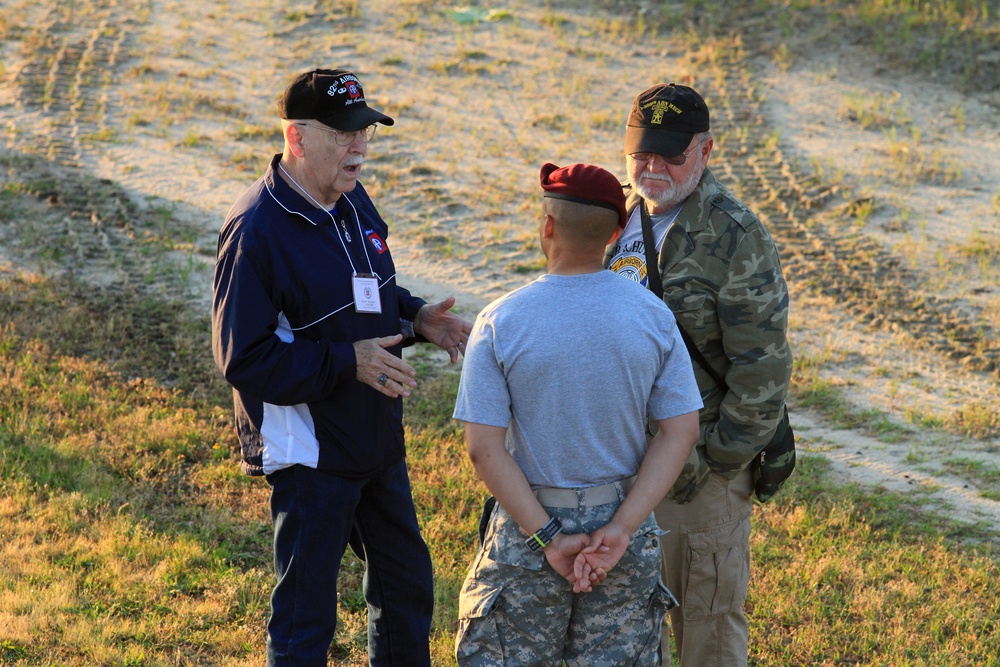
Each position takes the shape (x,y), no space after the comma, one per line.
(558,381)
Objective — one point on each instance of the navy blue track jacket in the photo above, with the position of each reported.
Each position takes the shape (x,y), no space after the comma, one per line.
(283,325)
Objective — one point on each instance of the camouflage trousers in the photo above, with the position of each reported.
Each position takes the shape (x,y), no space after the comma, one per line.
(516,611)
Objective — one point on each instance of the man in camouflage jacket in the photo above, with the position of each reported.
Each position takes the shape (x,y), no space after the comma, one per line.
(722,278)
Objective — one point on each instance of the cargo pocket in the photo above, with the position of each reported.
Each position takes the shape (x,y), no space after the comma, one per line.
(478,641)
(660,601)
(719,573)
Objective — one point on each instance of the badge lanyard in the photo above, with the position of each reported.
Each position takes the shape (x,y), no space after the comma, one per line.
(365,285)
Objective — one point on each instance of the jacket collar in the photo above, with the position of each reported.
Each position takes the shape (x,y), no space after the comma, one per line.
(289,199)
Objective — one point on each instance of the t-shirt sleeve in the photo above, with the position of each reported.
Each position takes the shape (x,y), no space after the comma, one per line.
(675,391)
(483,395)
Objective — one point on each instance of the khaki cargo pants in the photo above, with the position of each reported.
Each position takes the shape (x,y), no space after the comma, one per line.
(706,563)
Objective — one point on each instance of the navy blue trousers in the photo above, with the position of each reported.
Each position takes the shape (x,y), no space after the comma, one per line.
(314,514)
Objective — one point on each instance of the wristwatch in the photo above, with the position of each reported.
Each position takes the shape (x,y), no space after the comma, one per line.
(543,536)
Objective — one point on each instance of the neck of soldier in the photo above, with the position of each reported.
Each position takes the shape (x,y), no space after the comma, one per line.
(563,261)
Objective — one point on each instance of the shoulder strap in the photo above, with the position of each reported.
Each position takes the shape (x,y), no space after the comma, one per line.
(700,358)
(652,264)
(656,286)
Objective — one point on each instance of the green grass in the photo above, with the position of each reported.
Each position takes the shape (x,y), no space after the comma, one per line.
(130,537)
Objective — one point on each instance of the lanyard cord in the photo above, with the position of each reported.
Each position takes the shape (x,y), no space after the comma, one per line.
(354,270)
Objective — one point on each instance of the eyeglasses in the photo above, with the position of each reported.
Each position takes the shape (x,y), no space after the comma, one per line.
(675,160)
(346,138)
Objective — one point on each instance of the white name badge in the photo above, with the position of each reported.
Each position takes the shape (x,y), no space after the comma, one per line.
(366,297)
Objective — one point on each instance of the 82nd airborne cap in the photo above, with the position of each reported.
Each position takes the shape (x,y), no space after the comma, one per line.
(334,97)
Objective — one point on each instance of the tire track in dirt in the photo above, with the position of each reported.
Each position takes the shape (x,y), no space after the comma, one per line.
(871,282)
(69,62)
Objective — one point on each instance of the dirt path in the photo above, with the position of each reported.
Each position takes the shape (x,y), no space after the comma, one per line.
(139,122)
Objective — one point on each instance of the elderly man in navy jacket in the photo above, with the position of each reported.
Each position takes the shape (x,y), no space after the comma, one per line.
(308,324)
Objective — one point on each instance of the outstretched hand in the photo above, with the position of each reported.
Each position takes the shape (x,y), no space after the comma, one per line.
(439,325)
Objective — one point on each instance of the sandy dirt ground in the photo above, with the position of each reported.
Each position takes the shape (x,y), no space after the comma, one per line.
(172,101)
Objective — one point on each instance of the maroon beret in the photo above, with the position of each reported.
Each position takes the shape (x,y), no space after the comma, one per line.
(585,184)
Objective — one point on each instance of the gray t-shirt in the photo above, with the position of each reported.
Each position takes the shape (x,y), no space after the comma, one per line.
(570,365)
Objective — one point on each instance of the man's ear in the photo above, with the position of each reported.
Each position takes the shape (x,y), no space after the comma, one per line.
(707,148)
(293,139)
(548,226)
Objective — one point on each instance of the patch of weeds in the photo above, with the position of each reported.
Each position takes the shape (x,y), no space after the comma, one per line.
(878,423)
(192,139)
(12,652)
(875,111)
(347,8)
(980,247)
(444,67)
(825,397)
(247,132)
(470,14)
(533,266)
(783,57)
(975,420)
(136,120)
(958,112)
(107,134)
(979,471)
(923,420)
(860,209)
(554,122)
(553,20)
(911,164)
(295,16)
(606,120)
(143,69)
(248,161)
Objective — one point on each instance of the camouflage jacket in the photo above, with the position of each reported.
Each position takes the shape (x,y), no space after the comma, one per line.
(722,279)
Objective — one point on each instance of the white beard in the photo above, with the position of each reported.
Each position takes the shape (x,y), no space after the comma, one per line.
(669,192)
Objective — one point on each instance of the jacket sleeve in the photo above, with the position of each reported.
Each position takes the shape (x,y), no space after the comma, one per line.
(409,305)
(753,320)
(253,347)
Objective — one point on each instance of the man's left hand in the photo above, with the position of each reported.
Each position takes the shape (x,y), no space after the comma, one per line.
(439,325)
(607,545)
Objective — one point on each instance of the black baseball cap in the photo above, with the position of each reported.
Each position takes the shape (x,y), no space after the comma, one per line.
(663,120)
(334,97)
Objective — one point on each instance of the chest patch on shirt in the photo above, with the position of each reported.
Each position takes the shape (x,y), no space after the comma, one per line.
(632,267)
(376,241)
